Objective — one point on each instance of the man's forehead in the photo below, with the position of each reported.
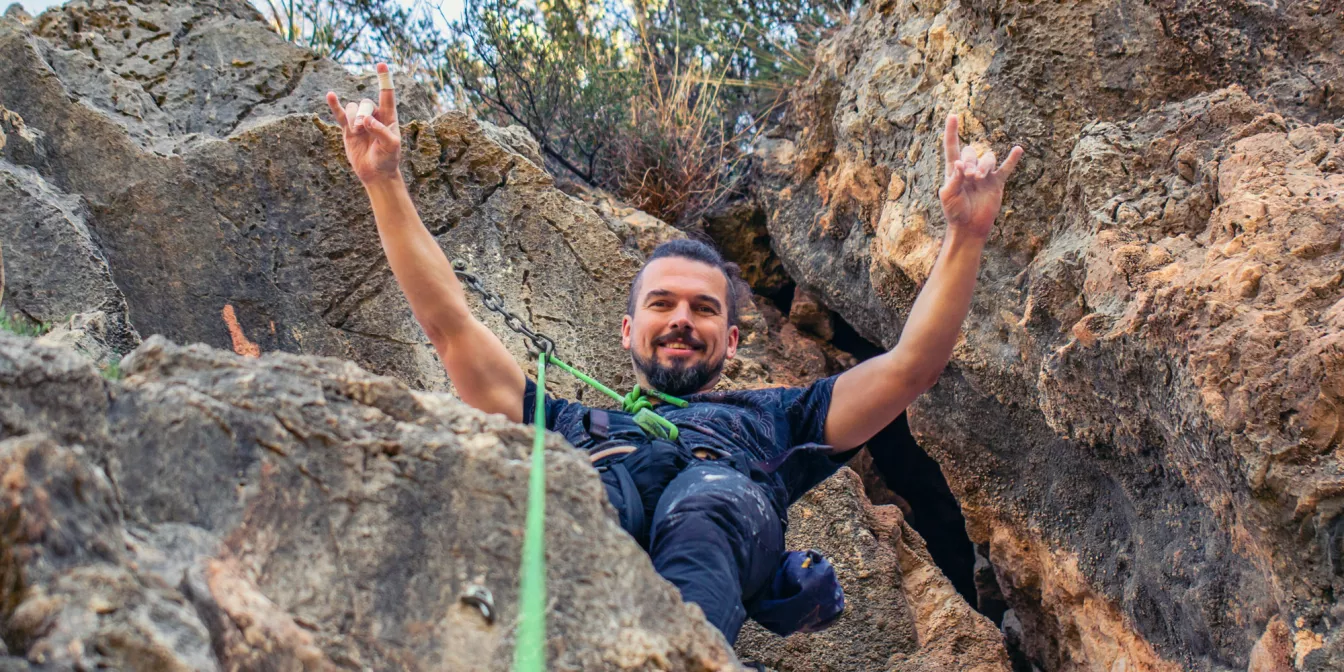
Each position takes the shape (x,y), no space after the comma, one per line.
(682,276)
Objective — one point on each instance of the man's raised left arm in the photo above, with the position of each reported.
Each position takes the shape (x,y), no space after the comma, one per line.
(869,396)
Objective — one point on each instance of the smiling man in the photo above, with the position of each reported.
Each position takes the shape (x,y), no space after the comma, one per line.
(710,506)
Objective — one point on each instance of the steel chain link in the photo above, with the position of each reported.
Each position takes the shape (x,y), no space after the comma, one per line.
(537,343)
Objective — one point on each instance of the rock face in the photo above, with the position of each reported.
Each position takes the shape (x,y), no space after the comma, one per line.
(1144,417)
(165,170)
(54,269)
(218,512)
(225,223)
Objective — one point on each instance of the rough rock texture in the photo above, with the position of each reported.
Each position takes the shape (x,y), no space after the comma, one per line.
(1143,419)
(219,512)
(226,225)
(87,334)
(53,267)
(738,229)
(893,594)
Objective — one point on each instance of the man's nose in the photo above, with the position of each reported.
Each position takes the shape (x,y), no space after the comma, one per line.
(681,317)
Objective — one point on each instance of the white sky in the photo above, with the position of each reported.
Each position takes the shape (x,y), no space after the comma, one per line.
(451,8)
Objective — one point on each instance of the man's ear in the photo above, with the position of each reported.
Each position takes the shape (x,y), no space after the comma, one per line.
(733,335)
(625,332)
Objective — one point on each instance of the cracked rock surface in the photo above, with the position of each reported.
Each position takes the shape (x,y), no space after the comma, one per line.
(223,207)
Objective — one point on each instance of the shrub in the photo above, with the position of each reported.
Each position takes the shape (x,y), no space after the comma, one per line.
(651,99)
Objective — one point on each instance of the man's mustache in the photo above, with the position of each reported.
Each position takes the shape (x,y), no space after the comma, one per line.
(680,335)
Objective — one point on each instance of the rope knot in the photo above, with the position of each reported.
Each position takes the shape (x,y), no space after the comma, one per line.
(642,407)
(635,401)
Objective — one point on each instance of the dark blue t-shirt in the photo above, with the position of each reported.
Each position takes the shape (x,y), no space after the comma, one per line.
(782,427)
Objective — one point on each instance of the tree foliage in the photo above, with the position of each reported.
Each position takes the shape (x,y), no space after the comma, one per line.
(360,33)
(651,99)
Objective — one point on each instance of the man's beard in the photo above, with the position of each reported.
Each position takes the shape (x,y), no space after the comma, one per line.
(677,380)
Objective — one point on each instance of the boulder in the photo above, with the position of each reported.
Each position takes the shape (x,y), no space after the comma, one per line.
(1142,417)
(211,511)
(53,269)
(228,225)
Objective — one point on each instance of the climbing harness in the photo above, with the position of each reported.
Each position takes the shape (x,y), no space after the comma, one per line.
(530,650)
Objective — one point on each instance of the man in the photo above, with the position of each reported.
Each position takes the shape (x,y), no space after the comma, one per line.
(708,507)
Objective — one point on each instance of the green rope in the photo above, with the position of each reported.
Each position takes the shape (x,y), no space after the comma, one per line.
(635,403)
(530,654)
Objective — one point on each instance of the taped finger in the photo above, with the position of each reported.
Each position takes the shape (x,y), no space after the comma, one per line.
(365,109)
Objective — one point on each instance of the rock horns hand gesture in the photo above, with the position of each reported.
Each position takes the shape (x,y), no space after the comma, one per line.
(372,135)
(973,188)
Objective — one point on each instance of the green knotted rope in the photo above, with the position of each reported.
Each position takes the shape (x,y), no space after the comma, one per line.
(635,403)
(530,652)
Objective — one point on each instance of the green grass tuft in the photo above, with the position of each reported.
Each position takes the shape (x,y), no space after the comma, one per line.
(112,371)
(22,326)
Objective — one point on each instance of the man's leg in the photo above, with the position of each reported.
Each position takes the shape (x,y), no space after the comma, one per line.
(716,537)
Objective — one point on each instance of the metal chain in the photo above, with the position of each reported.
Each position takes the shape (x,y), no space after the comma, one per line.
(536,342)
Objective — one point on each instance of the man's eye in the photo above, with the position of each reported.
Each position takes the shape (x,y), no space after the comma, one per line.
(708,310)
(658,304)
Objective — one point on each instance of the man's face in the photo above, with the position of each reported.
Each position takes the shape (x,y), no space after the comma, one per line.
(679,336)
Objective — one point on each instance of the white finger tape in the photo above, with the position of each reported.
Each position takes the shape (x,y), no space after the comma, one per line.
(385,80)
(365,108)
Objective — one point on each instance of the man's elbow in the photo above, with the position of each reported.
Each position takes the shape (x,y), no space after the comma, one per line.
(928,380)
(915,376)
(444,325)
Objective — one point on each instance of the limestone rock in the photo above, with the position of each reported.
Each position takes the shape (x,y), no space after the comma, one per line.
(74,600)
(738,229)
(16,12)
(294,512)
(53,268)
(209,68)
(637,228)
(807,313)
(901,613)
(225,226)
(87,334)
(307,513)
(773,351)
(1142,419)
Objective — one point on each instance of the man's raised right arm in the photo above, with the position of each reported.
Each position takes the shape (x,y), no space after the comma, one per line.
(481,368)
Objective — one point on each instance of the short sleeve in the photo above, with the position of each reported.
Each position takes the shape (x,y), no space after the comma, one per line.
(805,410)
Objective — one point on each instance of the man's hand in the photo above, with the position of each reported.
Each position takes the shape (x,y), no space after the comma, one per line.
(869,396)
(372,141)
(481,368)
(972,189)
